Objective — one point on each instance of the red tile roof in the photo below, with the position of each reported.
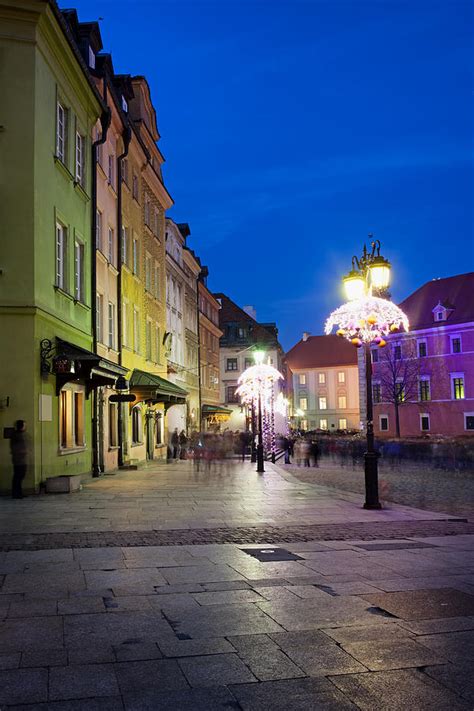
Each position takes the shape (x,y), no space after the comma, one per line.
(456,293)
(321,352)
(231,313)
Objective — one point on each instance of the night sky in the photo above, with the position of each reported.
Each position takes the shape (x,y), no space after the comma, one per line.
(292,128)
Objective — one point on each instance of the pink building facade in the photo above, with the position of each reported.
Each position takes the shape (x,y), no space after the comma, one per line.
(440,348)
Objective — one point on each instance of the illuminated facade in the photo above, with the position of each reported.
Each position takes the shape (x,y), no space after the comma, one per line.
(440,345)
(324,381)
(213,414)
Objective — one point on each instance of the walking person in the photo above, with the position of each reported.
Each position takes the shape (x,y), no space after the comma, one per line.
(315,453)
(19,453)
(183,441)
(175,442)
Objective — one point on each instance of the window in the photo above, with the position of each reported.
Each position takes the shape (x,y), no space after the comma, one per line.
(148,273)
(156,280)
(111,322)
(61,246)
(113,422)
(440,316)
(341,377)
(61,132)
(422,351)
(455,344)
(383,423)
(99,307)
(80,158)
(322,378)
(342,423)
(111,246)
(159,429)
(136,425)
(248,362)
(147,211)
(125,323)
(71,417)
(302,378)
(231,396)
(157,344)
(457,381)
(135,187)
(400,391)
(231,364)
(323,424)
(469,420)
(98,230)
(156,221)
(304,403)
(424,422)
(375,355)
(111,172)
(148,339)
(397,352)
(136,331)
(424,389)
(342,402)
(304,425)
(376,392)
(98,147)
(91,58)
(135,256)
(323,403)
(78,271)
(241,332)
(124,245)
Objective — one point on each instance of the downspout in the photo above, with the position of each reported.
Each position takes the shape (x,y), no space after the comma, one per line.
(199,358)
(126,137)
(105,120)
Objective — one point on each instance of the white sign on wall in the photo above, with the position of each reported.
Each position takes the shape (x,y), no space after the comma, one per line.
(45,408)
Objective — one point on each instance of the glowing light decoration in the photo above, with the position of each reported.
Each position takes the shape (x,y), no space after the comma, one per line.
(367,320)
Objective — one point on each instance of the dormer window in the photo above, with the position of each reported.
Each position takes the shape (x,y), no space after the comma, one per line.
(91,58)
(440,312)
(124,104)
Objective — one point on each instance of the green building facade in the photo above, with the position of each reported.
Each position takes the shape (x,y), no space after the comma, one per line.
(48,372)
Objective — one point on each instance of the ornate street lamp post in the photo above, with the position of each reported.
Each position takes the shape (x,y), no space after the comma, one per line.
(366,320)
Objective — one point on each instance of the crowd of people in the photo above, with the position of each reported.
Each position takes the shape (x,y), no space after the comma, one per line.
(210,447)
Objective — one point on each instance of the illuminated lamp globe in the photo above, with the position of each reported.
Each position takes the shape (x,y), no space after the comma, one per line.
(380,273)
(258,356)
(354,285)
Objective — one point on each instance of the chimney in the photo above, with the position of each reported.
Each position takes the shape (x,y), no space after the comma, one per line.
(251,312)
(306,335)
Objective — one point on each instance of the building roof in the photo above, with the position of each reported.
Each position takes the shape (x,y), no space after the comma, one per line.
(321,352)
(231,313)
(455,293)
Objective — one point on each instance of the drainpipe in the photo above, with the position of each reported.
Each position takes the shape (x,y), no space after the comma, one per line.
(127,137)
(105,123)
(199,358)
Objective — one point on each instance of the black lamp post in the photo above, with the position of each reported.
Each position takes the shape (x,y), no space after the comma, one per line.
(370,272)
(260,467)
(253,449)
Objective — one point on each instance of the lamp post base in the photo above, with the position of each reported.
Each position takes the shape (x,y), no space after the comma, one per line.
(260,467)
(371,481)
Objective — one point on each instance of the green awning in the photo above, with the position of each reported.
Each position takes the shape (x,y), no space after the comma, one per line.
(215,410)
(157,388)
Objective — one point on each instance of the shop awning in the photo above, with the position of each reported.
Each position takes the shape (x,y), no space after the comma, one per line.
(73,363)
(154,388)
(215,410)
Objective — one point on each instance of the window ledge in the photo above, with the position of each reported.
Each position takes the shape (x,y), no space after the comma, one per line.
(82,305)
(137,444)
(111,188)
(81,191)
(63,168)
(61,291)
(113,449)
(112,268)
(71,450)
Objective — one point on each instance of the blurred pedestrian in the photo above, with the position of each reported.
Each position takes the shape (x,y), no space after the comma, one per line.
(182,441)
(175,442)
(19,454)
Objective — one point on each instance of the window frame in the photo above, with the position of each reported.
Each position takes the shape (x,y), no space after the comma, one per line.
(424,379)
(342,427)
(61,280)
(452,339)
(421,342)
(234,361)
(324,427)
(425,415)
(339,398)
(111,330)
(99,307)
(321,378)
(466,415)
(386,418)
(72,420)
(343,379)
(80,159)
(79,281)
(62,136)
(302,378)
(322,406)
(457,376)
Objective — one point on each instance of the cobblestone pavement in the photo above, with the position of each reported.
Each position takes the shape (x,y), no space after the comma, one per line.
(122,607)
(410,484)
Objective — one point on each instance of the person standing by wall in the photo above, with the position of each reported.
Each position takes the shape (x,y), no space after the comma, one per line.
(19,453)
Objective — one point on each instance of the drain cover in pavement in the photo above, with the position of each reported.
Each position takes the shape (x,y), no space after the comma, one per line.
(401,545)
(271,554)
(425,604)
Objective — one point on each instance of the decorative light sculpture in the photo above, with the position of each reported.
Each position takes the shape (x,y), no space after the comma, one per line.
(366,320)
(255,388)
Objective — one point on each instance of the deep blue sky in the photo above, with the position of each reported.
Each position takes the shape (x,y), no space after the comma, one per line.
(292,128)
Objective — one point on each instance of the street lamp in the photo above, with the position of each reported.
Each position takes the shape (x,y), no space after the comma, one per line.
(258,358)
(367,320)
